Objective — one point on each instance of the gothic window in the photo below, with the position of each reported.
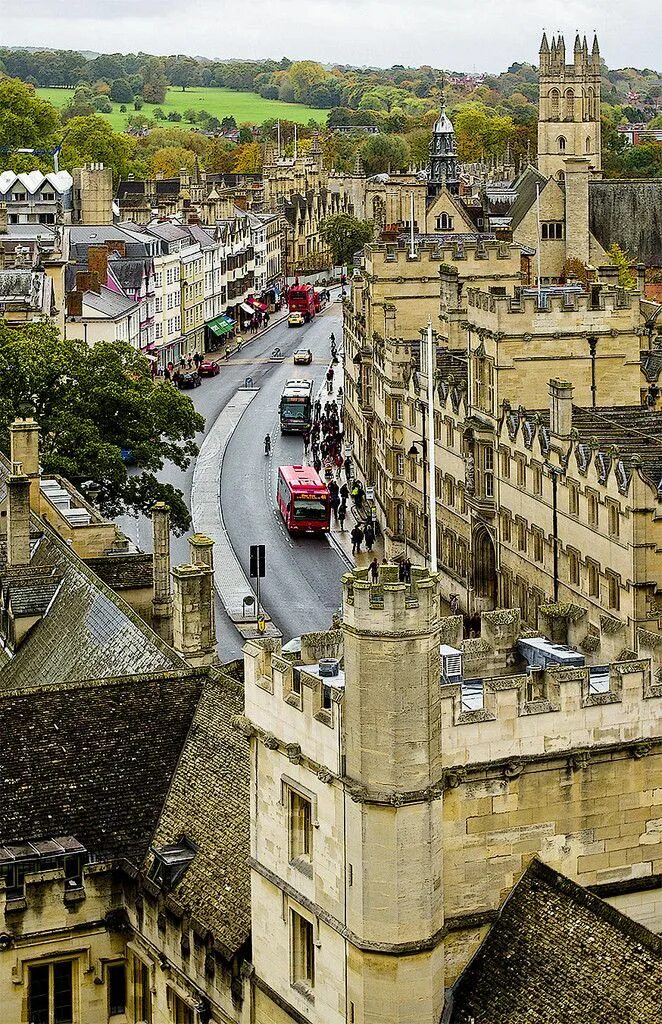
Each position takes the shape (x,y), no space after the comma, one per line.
(561,143)
(444,222)
(570,105)
(302,952)
(590,105)
(574,567)
(554,104)
(588,144)
(614,590)
(300,815)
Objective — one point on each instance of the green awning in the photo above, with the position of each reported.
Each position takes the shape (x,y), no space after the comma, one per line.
(221,325)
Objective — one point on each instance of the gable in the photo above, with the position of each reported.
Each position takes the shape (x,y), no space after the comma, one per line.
(456,221)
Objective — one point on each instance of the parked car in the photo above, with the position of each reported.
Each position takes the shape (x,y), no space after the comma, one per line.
(296,320)
(209,368)
(303,356)
(190,379)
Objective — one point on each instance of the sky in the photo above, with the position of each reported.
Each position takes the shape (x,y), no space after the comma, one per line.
(461,35)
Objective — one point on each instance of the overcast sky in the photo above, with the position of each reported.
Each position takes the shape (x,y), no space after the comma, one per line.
(482,35)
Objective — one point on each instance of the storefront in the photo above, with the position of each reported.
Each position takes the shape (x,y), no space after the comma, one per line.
(218,330)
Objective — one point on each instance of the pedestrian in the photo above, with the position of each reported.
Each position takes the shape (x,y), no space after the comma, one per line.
(356,537)
(266,319)
(369,536)
(317,464)
(306,442)
(197,359)
(348,468)
(342,512)
(344,493)
(334,489)
(318,408)
(407,571)
(335,504)
(374,570)
(190,362)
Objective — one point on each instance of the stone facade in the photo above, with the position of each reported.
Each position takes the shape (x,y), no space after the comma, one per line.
(569,106)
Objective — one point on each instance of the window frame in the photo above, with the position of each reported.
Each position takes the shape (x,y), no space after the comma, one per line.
(302,953)
(50,966)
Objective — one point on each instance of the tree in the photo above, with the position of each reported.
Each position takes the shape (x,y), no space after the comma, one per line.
(626,278)
(345,235)
(228,123)
(245,134)
(248,158)
(121,91)
(138,103)
(185,72)
(170,160)
(103,105)
(92,140)
(92,402)
(25,120)
(155,83)
(190,115)
(384,153)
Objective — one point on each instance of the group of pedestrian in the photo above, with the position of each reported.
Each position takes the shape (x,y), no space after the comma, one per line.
(325,437)
(173,372)
(404,571)
(362,534)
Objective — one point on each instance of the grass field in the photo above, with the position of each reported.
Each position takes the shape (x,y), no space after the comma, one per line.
(243,106)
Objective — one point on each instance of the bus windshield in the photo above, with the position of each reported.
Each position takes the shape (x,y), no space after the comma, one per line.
(307,509)
(294,409)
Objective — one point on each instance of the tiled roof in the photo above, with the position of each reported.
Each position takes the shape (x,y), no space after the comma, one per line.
(107,302)
(124,571)
(88,633)
(93,760)
(630,213)
(525,186)
(208,802)
(29,590)
(559,955)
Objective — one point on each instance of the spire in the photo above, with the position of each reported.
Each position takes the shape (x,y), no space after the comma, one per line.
(585,49)
(595,52)
(544,46)
(578,44)
(561,50)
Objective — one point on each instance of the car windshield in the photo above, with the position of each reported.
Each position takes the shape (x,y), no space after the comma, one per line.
(310,509)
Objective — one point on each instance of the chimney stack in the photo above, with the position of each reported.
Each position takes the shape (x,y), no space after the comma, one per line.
(97,262)
(193,614)
(162,595)
(560,407)
(18,517)
(24,449)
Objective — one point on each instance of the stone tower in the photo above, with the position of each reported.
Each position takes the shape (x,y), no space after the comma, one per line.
(569,106)
(93,194)
(393,834)
(443,156)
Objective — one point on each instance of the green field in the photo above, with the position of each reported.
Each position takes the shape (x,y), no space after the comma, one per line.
(243,106)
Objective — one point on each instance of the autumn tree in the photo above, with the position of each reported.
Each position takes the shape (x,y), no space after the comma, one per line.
(346,235)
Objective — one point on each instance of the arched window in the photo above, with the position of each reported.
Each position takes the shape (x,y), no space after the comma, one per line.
(588,145)
(444,223)
(570,105)
(561,144)
(590,105)
(561,175)
(554,104)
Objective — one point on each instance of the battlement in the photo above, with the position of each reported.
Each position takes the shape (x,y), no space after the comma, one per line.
(614,301)
(390,606)
(555,710)
(385,257)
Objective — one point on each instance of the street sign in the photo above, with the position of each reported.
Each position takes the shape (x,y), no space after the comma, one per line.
(347,450)
(256,562)
(370,493)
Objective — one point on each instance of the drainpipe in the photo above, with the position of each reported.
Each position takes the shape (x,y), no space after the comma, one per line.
(592,346)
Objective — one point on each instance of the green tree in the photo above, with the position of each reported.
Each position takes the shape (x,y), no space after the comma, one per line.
(384,153)
(25,120)
(170,160)
(190,115)
(185,72)
(138,103)
(345,235)
(91,140)
(245,134)
(92,402)
(103,105)
(121,91)
(619,258)
(228,123)
(155,83)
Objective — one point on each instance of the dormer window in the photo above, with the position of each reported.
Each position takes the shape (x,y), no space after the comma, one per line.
(170,863)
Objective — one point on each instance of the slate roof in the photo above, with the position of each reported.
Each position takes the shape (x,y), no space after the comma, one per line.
(88,633)
(129,274)
(81,238)
(108,302)
(559,955)
(29,590)
(630,213)
(525,187)
(209,803)
(633,429)
(93,760)
(124,571)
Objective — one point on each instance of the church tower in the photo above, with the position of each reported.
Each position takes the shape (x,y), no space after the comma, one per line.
(443,156)
(569,106)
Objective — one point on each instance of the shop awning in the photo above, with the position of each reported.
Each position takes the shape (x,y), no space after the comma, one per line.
(247,309)
(221,325)
(256,304)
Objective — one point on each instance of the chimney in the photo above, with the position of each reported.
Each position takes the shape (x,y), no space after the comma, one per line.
(75,304)
(193,614)
(162,595)
(24,449)
(202,553)
(18,517)
(560,407)
(87,282)
(97,262)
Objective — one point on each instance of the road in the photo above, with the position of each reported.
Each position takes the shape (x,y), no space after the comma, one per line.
(302,587)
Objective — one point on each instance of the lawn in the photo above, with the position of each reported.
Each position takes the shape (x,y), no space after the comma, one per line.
(243,106)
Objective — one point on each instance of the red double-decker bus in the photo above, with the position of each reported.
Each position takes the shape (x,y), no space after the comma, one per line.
(301,299)
(303,500)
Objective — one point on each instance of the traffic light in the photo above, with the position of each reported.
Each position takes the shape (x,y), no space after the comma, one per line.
(256,562)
